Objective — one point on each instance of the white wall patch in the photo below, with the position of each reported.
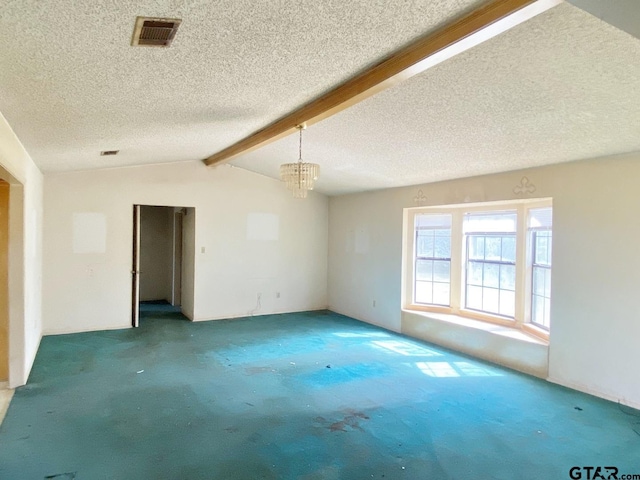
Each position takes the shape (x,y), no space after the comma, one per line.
(362,241)
(89,233)
(263,226)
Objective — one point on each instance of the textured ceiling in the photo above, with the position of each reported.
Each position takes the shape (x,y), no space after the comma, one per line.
(71,85)
(563,86)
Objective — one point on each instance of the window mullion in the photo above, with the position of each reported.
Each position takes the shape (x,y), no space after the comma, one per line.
(523,302)
(457,249)
(415,266)
(409,254)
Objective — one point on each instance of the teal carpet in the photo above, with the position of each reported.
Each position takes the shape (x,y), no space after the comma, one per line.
(297,396)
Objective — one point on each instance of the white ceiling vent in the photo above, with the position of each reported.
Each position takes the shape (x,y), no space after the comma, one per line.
(154,32)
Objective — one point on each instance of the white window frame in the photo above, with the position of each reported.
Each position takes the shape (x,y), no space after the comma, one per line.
(522,317)
(416,258)
(529,324)
(498,263)
(533,235)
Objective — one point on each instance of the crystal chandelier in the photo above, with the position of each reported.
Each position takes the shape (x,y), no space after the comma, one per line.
(299,176)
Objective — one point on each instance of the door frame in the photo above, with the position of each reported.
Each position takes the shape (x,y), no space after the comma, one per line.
(176,264)
(18,358)
(183,256)
(135,269)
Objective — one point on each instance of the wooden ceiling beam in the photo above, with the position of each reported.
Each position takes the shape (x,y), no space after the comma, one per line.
(480,25)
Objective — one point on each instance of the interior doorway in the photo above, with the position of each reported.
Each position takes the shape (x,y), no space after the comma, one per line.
(4,281)
(163,259)
(13,332)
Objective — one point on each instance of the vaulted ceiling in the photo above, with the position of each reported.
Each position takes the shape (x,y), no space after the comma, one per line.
(562,86)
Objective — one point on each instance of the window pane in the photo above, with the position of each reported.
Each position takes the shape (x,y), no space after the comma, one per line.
(508,277)
(424,292)
(538,281)
(493,248)
(441,271)
(547,283)
(424,244)
(474,297)
(541,217)
(540,222)
(474,273)
(476,247)
(490,222)
(537,310)
(424,270)
(441,293)
(491,275)
(542,248)
(442,244)
(547,312)
(509,249)
(433,242)
(433,220)
(490,300)
(507,303)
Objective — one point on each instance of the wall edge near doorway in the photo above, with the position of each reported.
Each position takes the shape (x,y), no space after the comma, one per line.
(68,331)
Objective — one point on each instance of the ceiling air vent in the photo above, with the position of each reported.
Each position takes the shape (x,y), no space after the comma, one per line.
(105,153)
(154,32)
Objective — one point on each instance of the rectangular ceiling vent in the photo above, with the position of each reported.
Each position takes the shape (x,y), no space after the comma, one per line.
(106,153)
(154,32)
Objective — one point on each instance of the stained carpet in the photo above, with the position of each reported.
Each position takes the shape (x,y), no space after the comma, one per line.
(312,395)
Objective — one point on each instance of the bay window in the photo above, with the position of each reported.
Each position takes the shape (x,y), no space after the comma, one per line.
(490,261)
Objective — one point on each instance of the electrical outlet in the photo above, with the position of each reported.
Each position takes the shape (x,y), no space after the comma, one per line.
(374,304)
(277,294)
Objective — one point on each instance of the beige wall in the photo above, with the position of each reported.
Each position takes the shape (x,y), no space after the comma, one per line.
(25,253)
(156,253)
(188,262)
(232,264)
(4,281)
(596,263)
(622,14)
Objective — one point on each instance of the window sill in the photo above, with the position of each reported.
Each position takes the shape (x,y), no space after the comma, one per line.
(488,318)
(537,332)
(505,345)
(483,321)
(497,328)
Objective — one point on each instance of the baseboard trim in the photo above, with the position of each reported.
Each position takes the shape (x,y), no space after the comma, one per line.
(370,322)
(5,400)
(595,393)
(262,314)
(67,331)
(32,360)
